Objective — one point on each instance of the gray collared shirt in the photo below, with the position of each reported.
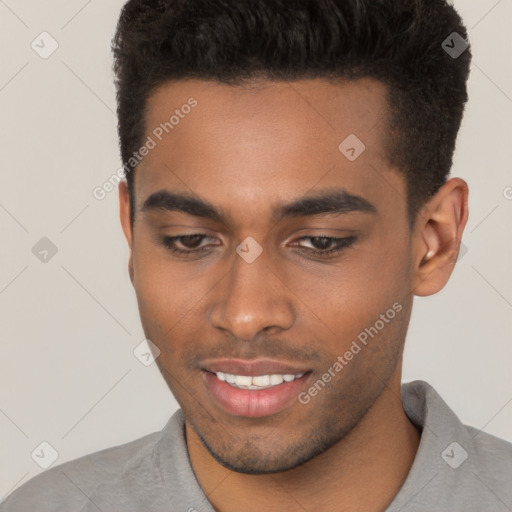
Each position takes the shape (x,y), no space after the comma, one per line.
(456,468)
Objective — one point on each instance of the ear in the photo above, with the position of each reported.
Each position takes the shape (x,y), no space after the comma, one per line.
(124,213)
(437,236)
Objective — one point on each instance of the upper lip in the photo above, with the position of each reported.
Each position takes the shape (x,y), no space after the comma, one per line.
(252,368)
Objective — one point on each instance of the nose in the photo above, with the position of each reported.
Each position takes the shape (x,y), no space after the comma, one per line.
(253,298)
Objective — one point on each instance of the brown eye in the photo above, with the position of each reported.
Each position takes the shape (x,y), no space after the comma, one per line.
(191,241)
(325,246)
(186,244)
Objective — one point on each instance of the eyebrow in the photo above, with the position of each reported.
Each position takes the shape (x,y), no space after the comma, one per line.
(329,202)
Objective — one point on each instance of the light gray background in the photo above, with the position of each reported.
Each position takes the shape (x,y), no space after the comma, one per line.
(69,327)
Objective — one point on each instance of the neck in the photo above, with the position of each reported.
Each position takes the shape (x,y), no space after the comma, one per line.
(363,471)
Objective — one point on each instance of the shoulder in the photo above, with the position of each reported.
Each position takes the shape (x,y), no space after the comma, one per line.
(458,467)
(493,456)
(69,487)
(477,472)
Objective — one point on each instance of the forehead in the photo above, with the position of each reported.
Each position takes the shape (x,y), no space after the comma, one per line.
(273,113)
(264,142)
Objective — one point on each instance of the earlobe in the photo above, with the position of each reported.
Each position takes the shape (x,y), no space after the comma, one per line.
(131,272)
(124,211)
(438,235)
(124,214)
(431,240)
(429,254)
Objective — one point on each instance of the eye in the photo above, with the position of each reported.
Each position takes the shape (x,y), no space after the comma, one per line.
(326,246)
(321,246)
(186,244)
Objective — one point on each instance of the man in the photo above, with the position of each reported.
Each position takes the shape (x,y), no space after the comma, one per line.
(286,196)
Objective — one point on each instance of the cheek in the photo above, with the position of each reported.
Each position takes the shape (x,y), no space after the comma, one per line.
(170,297)
(158,283)
(335,302)
(159,294)
(352,296)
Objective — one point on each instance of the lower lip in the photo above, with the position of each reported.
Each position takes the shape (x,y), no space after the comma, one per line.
(253,403)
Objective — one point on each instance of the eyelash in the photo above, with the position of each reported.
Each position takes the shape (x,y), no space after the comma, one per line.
(169,242)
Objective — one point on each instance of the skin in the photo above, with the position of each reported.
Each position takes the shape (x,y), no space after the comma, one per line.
(245,150)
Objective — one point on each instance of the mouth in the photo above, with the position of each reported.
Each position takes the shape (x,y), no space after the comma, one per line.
(253,389)
(257,381)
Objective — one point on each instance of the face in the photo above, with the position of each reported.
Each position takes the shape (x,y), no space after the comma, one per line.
(261,249)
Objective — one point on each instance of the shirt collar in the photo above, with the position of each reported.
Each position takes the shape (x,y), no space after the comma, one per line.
(425,408)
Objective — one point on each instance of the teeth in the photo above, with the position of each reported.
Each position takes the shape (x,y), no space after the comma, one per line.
(276,379)
(243,380)
(258,381)
(261,380)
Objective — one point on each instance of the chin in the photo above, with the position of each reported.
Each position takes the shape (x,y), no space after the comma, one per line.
(250,459)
